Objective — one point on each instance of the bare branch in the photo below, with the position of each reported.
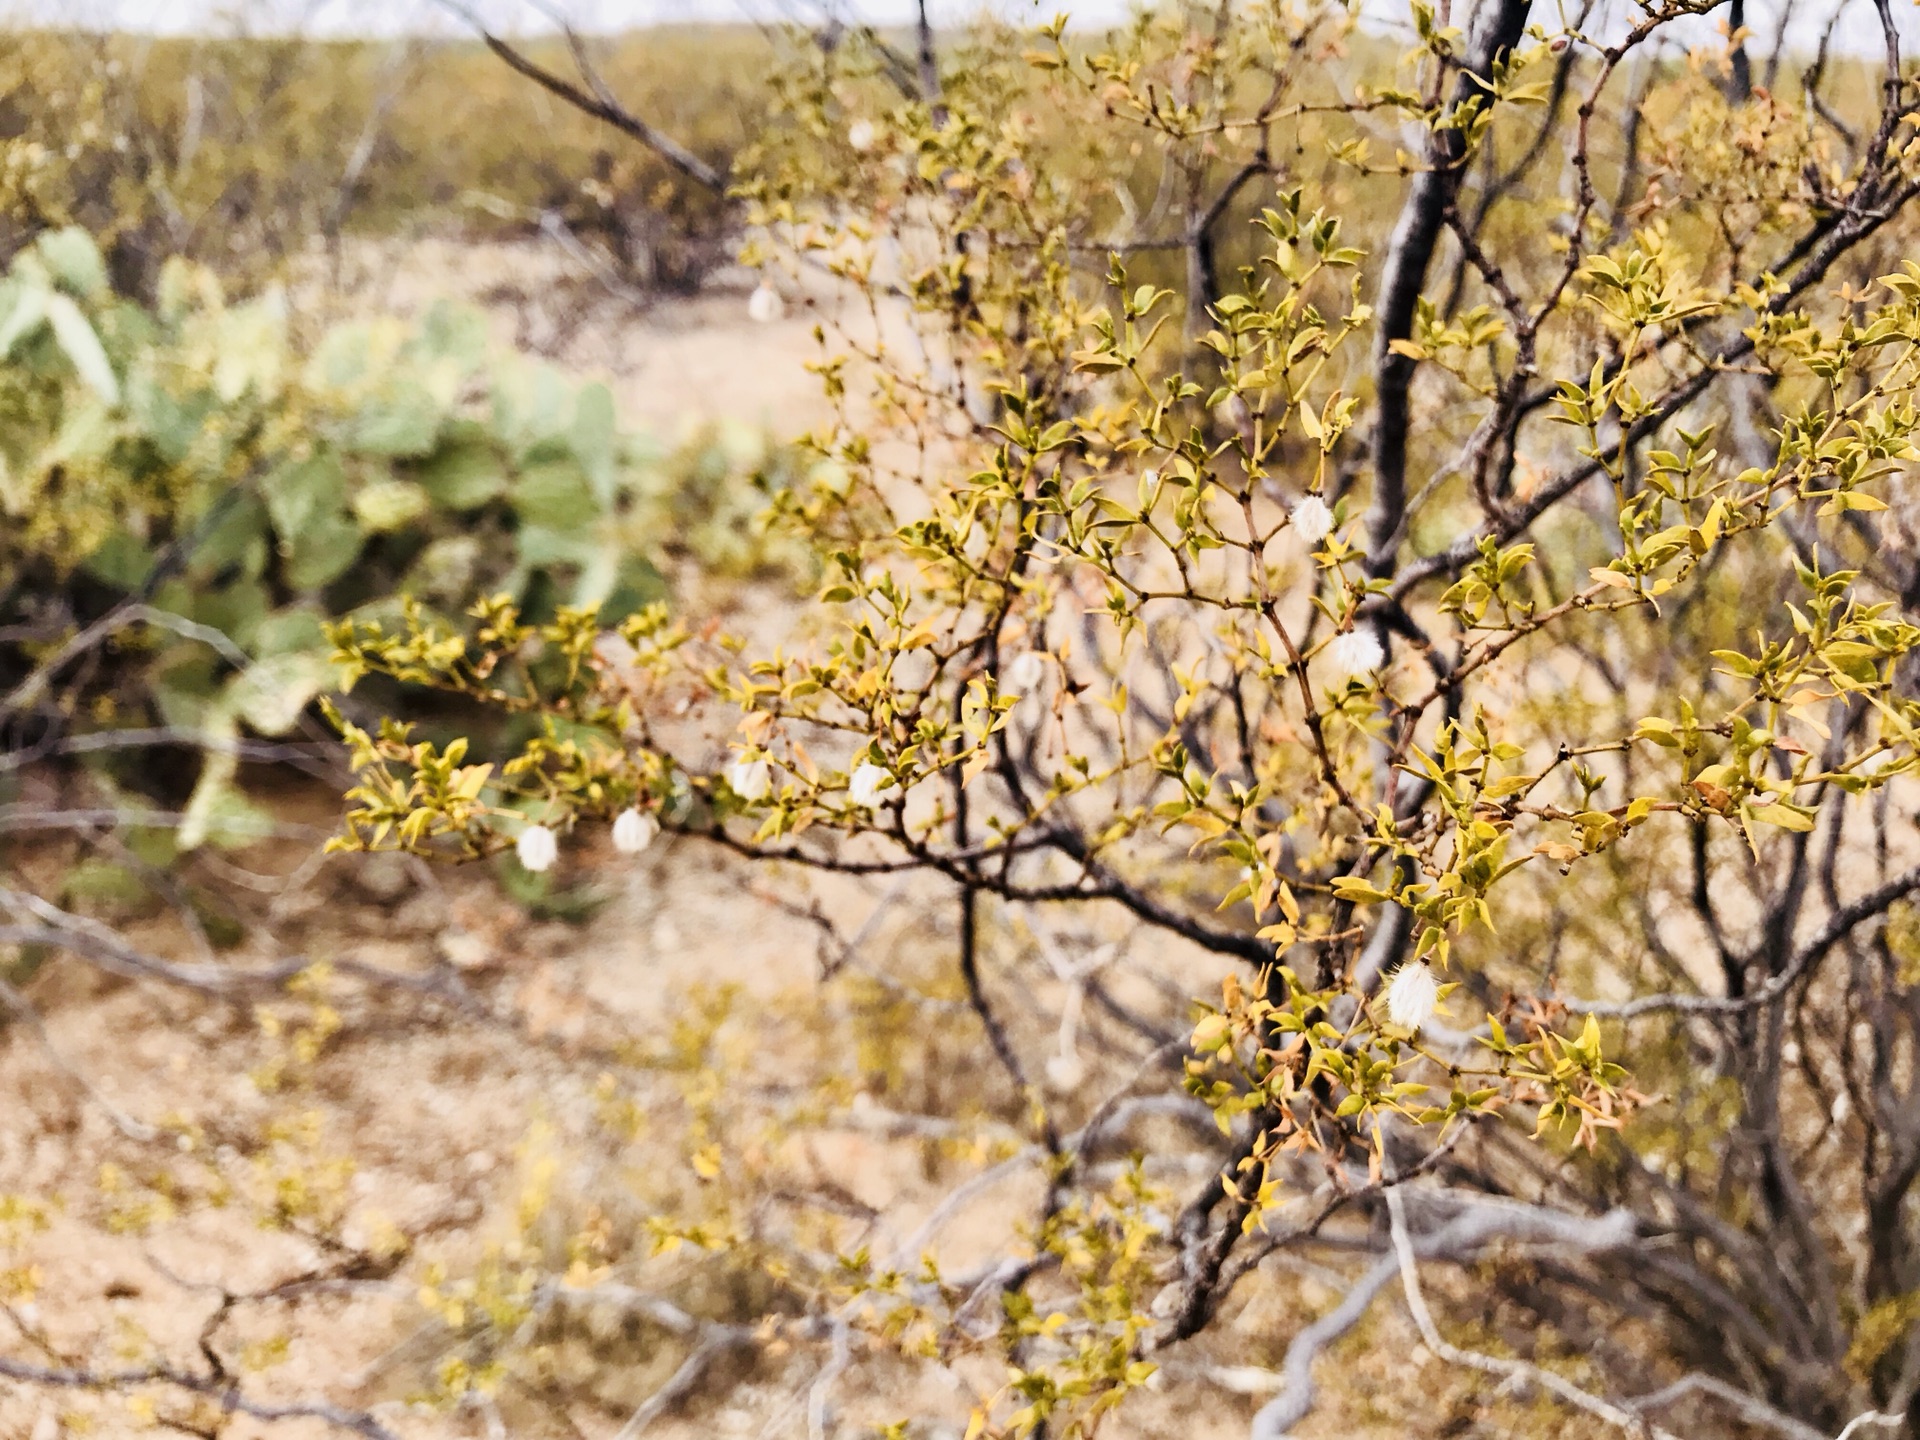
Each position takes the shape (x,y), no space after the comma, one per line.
(223,1392)
(601,104)
(1407,1263)
(1496,29)
(1874,902)
(1471,1231)
(1750,1408)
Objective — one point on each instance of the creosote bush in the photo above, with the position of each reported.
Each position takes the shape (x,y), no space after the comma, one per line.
(1479,613)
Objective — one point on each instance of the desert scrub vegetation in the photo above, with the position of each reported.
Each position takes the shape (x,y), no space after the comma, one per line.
(248,153)
(191,495)
(1345,770)
(1477,610)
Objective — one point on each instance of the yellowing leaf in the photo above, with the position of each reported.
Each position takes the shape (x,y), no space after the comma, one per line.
(1785,816)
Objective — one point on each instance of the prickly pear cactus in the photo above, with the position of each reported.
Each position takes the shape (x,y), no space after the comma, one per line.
(195,461)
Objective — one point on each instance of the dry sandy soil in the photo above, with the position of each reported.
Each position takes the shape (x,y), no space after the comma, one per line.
(154,1127)
(674,363)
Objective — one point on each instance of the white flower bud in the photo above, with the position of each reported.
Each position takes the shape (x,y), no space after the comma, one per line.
(1357,652)
(1026,671)
(634,831)
(1412,996)
(750,779)
(1150,478)
(872,785)
(537,848)
(765,305)
(861,135)
(1312,520)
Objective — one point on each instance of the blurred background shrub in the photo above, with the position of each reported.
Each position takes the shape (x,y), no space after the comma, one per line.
(189,492)
(246,153)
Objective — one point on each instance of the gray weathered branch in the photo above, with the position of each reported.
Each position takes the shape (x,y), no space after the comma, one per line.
(1470,1231)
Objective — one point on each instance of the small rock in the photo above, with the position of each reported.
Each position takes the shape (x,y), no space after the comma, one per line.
(384,878)
(213,1024)
(465,951)
(422,913)
(298,905)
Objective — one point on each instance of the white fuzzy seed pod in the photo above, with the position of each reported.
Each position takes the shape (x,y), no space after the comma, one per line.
(1412,996)
(765,306)
(1357,652)
(750,779)
(1312,520)
(633,831)
(871,785)
(537,848)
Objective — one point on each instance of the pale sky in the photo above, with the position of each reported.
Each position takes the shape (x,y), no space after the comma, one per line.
(387,17)
(1858,32)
